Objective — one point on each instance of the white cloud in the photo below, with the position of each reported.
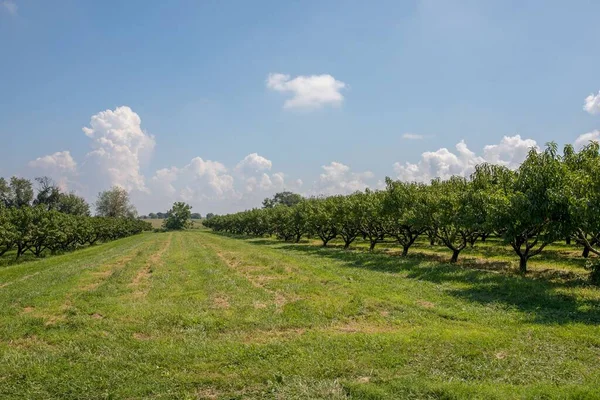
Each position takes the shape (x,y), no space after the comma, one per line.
(60,161)
(337,178)
(309,92)
(443,163)
(10,6)
(59,166)
(412,136)
(120,147)
(254,162)
(586,138)
(209,186)
(510,152)
(592,104)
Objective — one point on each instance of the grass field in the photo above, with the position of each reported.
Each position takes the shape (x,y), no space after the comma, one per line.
(199,315)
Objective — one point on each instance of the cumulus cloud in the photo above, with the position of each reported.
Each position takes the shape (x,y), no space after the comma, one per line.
(199,178)
(308,92)
(60,166)
(210,186)
(592,104)
(586,138)
(510,152)
(412,136)
(60,161)
(120,146)
(10,6)
(443,163)
(254,162)
(337,178)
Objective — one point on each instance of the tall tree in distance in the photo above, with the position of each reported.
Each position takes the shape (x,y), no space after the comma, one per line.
(178,217)
(48,194)
(18,193)
(70,203)
(115,203)
(282,198)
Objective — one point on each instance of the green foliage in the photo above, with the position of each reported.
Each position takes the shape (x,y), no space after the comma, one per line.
(407,211)
(115,203)
(549,197)
(17,193)
(178,217)
(288,199)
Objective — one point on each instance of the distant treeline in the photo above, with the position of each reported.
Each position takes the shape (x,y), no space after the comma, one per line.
(165,215)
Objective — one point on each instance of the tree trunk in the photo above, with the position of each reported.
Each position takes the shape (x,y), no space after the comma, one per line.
(372,246)
(20,251)
(405,250)
(523,264)
(432,241)
(568,240)
(483,237)
(298,236)
(347,244)
(586,252)
(455,254)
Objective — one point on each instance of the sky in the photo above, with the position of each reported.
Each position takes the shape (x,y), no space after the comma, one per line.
(223,103)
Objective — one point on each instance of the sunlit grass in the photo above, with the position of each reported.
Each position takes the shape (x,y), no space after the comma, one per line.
(200,315)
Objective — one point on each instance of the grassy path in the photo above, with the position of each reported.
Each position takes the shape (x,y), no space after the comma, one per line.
(198,315)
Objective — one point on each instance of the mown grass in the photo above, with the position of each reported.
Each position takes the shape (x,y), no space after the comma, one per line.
(200,315)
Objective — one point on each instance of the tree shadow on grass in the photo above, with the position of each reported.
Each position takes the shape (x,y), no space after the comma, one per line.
(537,295)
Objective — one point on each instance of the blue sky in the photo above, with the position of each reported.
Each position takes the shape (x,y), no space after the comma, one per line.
(367,87)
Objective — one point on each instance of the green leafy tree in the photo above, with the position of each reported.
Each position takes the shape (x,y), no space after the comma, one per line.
(320,218)
(288,199)
(371,216)
(456,213)
(346,217)
(17,193)
(70,203)
(178,217)
(406,212)
(115,203)
(535,212)
(48,194)
(8,231)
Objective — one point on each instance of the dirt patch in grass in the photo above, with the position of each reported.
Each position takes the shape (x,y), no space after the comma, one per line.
(55,319)
(208,394)
(221,301)
(141,336)
(97,316)
(362,327)
(29,342)
(425,304)
(258,305)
